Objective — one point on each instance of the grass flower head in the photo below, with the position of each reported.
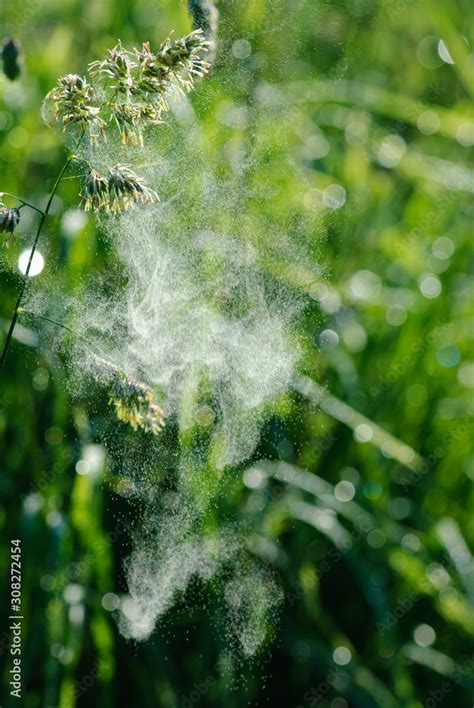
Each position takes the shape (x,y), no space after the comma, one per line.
(115,70)
(132,400)
(127,189)
(9,220)
(73,101)
(95,192)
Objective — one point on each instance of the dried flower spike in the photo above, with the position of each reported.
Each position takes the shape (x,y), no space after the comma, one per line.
(9,220)
(132,400)
(126,189)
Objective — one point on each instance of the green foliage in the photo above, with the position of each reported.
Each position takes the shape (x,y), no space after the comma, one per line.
(359,495)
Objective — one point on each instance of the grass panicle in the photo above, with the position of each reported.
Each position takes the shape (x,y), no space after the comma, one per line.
(9,220)
(132,400)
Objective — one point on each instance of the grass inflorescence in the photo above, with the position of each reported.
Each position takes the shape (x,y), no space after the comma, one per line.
(132,400)
(126,91)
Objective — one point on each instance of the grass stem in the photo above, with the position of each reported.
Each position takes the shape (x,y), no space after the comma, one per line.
(44,214)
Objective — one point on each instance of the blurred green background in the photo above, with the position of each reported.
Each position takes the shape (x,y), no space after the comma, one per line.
(360,113)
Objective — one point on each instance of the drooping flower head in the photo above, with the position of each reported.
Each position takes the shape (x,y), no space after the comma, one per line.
(9,220)
(11,58)
(131,118)
(126,189)
(95,191)
(121,190)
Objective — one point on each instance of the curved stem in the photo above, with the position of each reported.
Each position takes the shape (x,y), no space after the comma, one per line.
(23,202)
(44,214)
(54,322)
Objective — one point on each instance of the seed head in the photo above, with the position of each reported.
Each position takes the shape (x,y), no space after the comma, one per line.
(132,87)
(9,220)
(131,118)
(126,189)
(174,66)
(153,76)
(115,70)
(138,410)
(72,101)
(121,190)
(184,59)
(132,400)
(95,192)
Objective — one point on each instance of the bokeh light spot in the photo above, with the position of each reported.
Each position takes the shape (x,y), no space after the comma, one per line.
(342,656)
(37,263)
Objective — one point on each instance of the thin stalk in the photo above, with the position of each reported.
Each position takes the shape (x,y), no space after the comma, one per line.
(54,322)
(44,214)
(23,202)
